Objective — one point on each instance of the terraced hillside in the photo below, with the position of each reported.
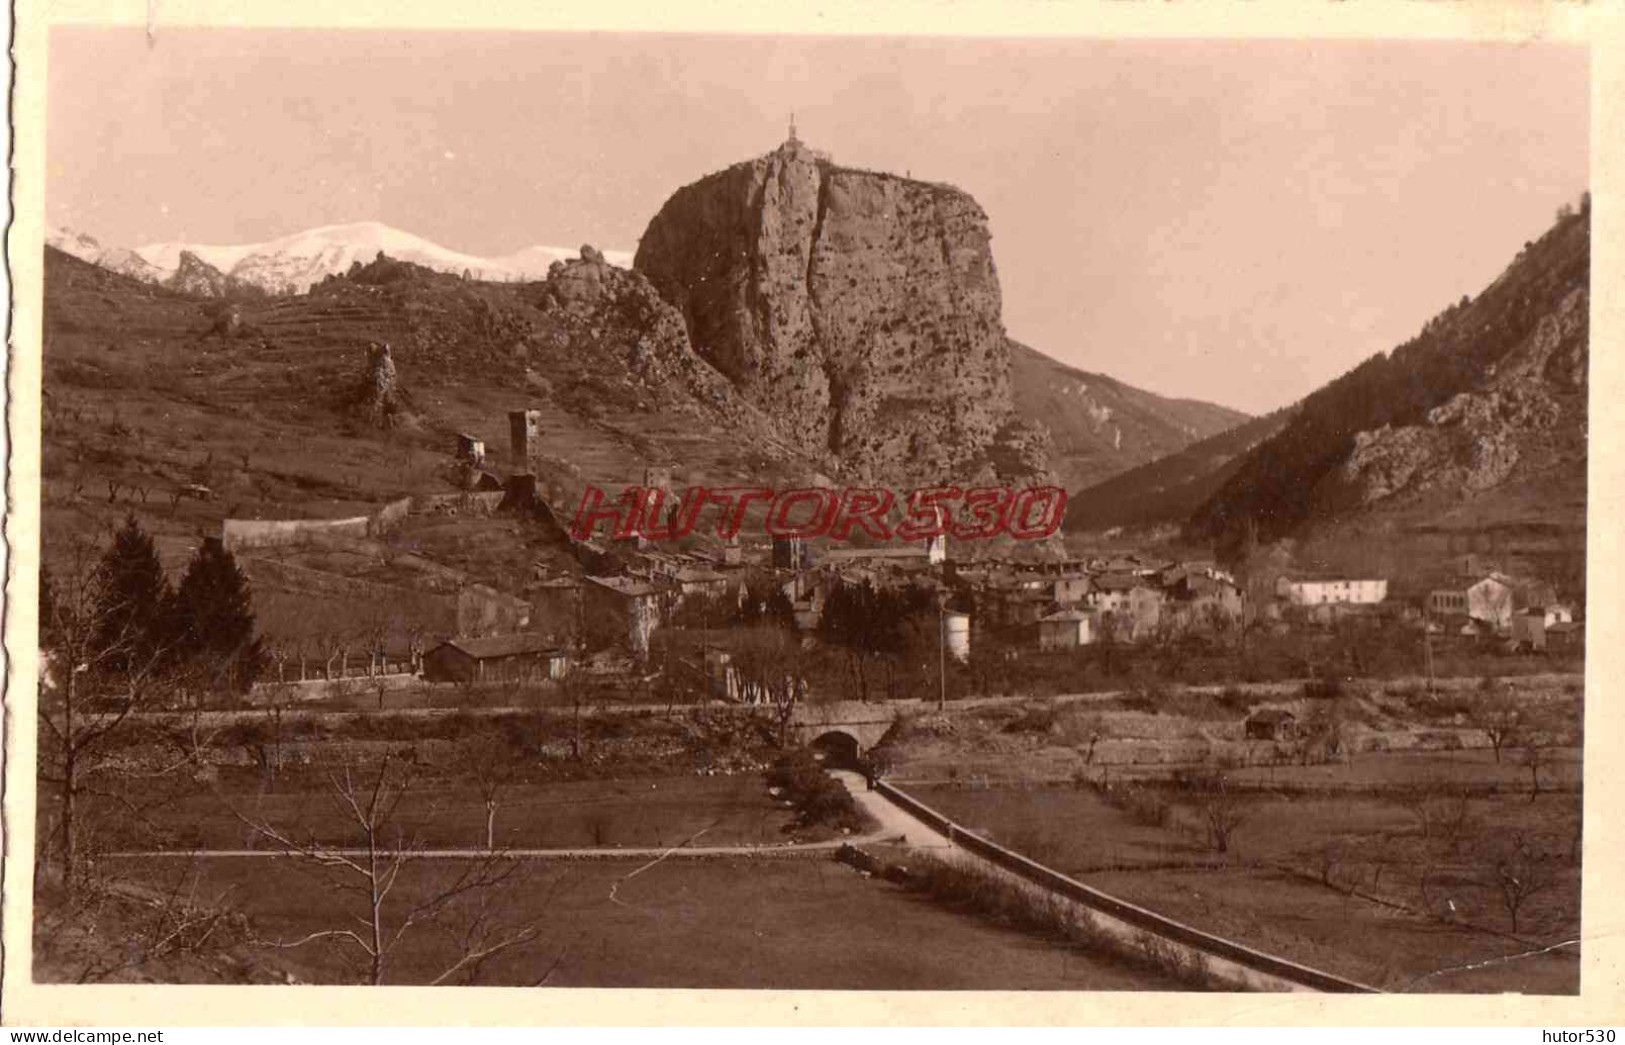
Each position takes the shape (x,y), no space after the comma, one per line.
(186,412)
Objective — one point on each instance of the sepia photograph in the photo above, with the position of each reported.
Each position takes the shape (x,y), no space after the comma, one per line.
(831,513)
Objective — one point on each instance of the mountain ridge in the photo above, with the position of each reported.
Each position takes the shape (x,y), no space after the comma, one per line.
(1478,422)
(298,261)
(1102,427)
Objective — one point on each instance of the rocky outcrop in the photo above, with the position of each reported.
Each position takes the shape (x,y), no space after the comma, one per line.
(1480,416)
(379,397)
(594,308)
(198,278)
(861,310)
(1529,413)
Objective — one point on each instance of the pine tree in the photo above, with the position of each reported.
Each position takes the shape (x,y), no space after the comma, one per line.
(132,595)
(213,618)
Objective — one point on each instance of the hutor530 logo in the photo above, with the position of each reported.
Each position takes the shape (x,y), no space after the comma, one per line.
(973,514)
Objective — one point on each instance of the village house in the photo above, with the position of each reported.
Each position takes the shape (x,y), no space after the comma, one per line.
(1540,628)
(1529,629)
(632,606)
(921,554)
(1565,635)
(1109,592)
(1144,611)
(1199,590)
(1068,629)
(1324,590)
(1072,589)
(495,658)
(1489,599)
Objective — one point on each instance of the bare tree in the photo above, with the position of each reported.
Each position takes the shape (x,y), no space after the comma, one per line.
(1519,874)
(371,869)
(1498,716)
(491,779)
(1534,755)
(1221,808)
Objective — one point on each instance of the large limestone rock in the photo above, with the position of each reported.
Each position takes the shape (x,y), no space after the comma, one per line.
(859,309)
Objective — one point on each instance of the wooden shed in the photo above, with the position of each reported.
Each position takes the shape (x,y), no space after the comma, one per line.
(1271,724)
(494,658)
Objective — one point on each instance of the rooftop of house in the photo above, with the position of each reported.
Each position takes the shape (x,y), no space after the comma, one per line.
(504,646)
(631,587)
(851,554)
(1064,616)
(1330,578)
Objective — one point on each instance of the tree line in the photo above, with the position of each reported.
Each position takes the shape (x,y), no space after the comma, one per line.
(119,617)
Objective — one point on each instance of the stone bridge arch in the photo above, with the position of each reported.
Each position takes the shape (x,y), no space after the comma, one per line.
(840,749)
(864,723)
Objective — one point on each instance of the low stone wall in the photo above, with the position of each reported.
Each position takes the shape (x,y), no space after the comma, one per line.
(321,689)
(485,501)
(240,534)
(1130,915)
(388,517)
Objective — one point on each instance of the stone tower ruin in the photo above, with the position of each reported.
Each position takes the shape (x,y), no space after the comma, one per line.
(525,435)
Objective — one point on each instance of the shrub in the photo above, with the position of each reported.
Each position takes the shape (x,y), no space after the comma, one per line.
(819,798)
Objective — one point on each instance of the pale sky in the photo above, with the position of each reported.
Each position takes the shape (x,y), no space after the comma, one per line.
(1230,221)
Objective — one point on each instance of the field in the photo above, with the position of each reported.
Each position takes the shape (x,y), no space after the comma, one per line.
(1380,884)
(778,924)
(631,812)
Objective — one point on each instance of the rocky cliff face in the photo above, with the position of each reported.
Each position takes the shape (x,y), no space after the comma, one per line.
(1528,417)
(861,310)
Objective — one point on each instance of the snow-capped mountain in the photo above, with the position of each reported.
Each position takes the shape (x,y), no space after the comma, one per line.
(88,248)
(291,264)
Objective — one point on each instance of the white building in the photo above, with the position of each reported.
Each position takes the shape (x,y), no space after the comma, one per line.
(1324,591)
(1068,629)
